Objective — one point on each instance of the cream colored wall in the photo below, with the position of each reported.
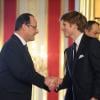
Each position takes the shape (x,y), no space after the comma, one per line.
(1,23)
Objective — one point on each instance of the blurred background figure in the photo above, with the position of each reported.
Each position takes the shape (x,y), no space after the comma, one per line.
(99,33)
(92,29)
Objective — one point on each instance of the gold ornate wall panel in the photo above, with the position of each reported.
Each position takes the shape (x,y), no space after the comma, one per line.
(97,9)
(87,8)
(91,9)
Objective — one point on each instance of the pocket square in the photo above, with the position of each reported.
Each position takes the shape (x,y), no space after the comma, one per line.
(81,56)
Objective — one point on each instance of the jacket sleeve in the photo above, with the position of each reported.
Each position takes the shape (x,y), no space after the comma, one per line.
(21,67)
(94,56)
(66,80)
(65,84)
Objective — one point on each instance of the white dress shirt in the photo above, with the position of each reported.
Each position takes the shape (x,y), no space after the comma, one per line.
(20,38)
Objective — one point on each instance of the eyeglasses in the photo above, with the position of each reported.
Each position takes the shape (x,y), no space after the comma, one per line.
(34,27)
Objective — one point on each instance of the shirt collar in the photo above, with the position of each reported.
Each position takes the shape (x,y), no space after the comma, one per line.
(77,41)
(20,38)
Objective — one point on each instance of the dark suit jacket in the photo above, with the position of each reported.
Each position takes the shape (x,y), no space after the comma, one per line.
(86,71)
(17,73)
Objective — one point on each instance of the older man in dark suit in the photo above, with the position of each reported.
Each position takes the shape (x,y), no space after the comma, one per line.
(17,72)
(82,78)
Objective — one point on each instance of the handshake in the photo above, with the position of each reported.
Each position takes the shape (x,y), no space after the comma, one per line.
(52,82)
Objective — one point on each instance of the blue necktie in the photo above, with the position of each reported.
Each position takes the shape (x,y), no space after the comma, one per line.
(74,56)
(74,50)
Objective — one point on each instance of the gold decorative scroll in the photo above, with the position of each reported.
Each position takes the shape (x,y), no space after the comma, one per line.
(97,9)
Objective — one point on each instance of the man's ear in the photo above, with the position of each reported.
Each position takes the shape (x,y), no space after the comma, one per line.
(24,26)
(86,31)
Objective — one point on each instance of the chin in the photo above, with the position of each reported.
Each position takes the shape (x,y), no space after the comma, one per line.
(32,39)
(66,35)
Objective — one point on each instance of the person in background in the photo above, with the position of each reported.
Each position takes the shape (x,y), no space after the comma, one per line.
(99,33)
(17,72)
(82,77)
(92,29)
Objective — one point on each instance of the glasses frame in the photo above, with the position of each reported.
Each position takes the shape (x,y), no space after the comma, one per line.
(34,27)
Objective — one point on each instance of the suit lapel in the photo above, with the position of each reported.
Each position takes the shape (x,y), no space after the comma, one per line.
(81,50)
(70,60)
(82,46)
(22,49)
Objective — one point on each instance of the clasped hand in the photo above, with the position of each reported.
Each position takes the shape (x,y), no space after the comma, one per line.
(52,82)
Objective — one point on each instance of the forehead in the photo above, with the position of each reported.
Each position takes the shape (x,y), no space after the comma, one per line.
(64,22)
(95,26)
(33,20)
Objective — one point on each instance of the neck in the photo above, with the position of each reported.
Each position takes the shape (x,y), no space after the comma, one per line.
(76,35)
(21,34)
